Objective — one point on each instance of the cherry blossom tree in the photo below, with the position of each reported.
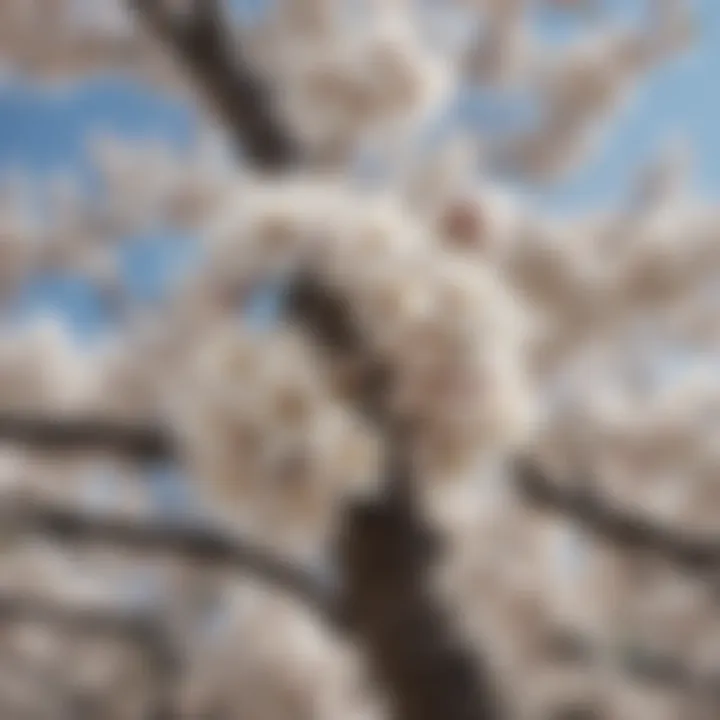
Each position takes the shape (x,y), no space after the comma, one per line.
(466,468)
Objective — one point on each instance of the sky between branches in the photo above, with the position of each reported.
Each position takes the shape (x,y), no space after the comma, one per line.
(45,133)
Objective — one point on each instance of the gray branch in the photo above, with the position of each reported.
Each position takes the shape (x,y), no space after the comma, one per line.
(203,44)
(188,541)
(627,529)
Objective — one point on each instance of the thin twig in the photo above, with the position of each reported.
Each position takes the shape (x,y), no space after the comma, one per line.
(640,664)
(190,541)
(90,619)
(619,526)
(142,441)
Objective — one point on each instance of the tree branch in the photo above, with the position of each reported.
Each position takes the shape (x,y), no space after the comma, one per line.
(637,663)
(148,442)
(387,552)
(92,619)
(424,667)
(325,315)
(206,48)
(141,441)
(188,541)
(621,527)
(411,645)
(414,650)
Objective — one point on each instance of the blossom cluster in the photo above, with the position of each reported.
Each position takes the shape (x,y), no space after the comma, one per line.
(275,451)
(449,333)
(498,327)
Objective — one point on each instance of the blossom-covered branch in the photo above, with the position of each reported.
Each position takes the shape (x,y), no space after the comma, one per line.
(580,504)
(83,618)
(188,541)
(139,628)
(428,313)
(422,644)
(625,528)
(641,664)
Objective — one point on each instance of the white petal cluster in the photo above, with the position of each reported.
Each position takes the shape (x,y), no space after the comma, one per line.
(59,40)
(272,661)
(343,77)
(448,331)
(57,225)
(503,49)
(66,235)
(592,280)
(41,368)
(46,370)
(519,582)
(650,450)
(100,670)
(583,87)
(148,185)
(266,439)
(19,239)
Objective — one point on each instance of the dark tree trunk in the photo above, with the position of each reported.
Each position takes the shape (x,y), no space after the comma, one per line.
(423,666)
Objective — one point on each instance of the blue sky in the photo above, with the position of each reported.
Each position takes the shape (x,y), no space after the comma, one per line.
(47,131)
(681,100)
(44,131)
